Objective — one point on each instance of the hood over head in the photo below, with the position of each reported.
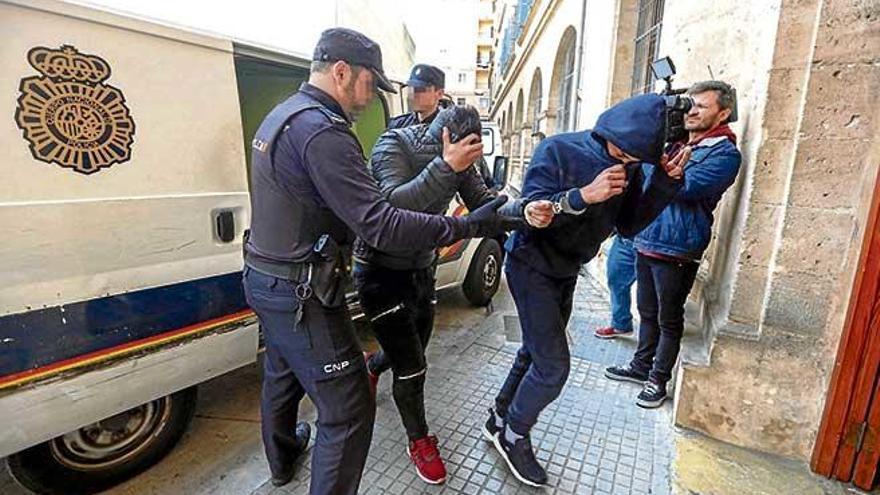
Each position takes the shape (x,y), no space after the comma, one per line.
(635,125)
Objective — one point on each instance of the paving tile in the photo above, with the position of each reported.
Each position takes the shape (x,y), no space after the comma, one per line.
(592,439)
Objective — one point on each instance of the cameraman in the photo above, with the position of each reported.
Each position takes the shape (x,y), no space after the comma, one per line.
(419,168)
(595,178)
(669,250)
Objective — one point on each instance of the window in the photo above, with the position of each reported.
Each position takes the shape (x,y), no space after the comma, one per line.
(460,101)
(647,45)
(566,88)
(484,103)
(462,77)
(535,101)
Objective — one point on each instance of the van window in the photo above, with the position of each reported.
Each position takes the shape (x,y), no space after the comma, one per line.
(488,138)
(262,84)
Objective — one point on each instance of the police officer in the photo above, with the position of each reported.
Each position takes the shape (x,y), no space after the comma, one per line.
(426,84)
(311,195)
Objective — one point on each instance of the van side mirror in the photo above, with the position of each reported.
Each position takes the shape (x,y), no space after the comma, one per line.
(499,172)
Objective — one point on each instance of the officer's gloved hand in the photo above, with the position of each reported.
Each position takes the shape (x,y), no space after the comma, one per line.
(485,221)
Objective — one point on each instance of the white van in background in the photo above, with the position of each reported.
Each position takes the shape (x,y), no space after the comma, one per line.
(124,200)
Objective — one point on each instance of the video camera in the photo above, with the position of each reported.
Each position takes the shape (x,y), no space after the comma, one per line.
(677,103)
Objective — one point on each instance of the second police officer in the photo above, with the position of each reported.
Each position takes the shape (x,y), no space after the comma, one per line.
(425,92)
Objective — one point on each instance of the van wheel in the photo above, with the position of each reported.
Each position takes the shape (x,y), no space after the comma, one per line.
(107,452)
(484,274)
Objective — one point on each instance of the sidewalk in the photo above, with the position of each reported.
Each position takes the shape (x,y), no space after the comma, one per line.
(593,439)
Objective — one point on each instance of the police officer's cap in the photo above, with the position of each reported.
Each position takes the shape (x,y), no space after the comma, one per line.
(356,49)
(424,75)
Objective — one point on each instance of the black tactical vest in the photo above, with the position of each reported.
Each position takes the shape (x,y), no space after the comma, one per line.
(287,219)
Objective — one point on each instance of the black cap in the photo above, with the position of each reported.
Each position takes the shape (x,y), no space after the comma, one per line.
(356,49)
(426,75)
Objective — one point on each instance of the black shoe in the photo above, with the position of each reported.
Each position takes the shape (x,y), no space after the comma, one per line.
(491,428)
(652,395)
(624,374)
(303,433)
(521,460)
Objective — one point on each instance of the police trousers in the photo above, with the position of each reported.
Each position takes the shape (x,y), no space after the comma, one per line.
(320,356)
(542,363)
(400,307)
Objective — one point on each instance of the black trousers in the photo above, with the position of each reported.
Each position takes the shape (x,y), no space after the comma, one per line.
(662,291)
(400,307)
(319,356)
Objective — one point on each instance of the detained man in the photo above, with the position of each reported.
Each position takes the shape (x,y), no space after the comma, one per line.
(595,179)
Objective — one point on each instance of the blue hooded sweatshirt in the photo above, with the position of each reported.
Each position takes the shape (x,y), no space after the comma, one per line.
(564,163)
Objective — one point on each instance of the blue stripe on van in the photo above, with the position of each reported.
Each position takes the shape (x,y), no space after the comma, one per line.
(45,336)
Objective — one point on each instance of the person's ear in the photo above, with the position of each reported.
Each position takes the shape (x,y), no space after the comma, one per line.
(723,115)
(340,70)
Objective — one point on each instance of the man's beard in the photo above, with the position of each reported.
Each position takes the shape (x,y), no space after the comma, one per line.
(699,127)
(356,110)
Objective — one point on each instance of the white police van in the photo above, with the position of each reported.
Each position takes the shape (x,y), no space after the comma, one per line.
(123,203)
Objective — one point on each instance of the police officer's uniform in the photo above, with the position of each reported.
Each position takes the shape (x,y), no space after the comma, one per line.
(421,76)
(308,180)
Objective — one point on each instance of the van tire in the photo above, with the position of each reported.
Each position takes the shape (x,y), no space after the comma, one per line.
(73,463)
(484,274)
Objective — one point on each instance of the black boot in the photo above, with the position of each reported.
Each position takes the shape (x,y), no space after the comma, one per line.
(303,433)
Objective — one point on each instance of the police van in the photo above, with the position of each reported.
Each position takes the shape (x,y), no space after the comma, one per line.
(123,203)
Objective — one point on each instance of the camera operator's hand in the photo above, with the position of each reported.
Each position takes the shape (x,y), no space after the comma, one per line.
(674,166)
(610,183)
(539,213)
(462,154)
(485,221)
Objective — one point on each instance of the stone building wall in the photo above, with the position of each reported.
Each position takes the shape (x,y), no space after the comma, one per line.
(778,314)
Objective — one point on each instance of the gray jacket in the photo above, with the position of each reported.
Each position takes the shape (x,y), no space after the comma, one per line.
(408,166)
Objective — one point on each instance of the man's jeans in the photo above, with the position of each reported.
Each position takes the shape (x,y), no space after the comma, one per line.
(663,287)
(543,362)
(621,271)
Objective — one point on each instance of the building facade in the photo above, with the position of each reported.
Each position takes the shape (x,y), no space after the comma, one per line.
(463,51)
(768,316)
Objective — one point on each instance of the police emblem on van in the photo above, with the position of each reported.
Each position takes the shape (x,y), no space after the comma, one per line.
(69,116)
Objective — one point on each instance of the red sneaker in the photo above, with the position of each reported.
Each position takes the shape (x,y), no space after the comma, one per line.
(373,378)
(611,332)
(424,454)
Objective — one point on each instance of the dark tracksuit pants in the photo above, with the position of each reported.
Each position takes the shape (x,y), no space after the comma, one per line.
(320,356)
(400,307)
(542,363)
(663,287)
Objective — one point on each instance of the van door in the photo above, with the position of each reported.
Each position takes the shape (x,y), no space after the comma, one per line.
(124,191)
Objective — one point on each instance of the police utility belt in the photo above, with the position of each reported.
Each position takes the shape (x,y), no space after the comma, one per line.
(323,277)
